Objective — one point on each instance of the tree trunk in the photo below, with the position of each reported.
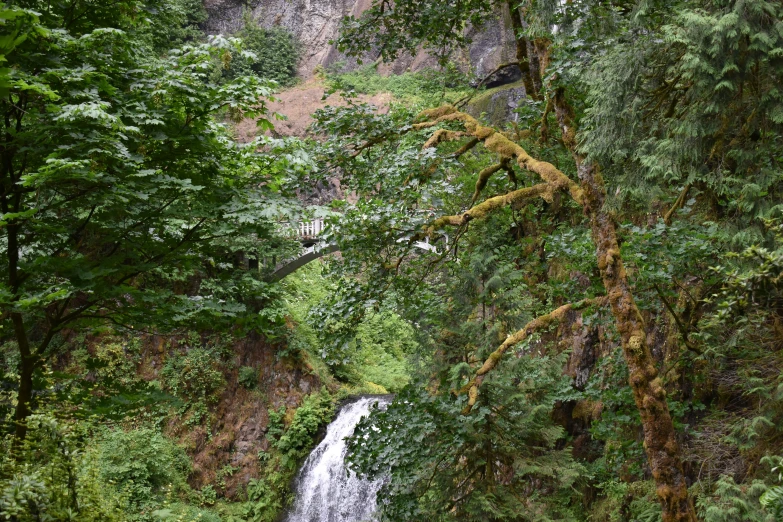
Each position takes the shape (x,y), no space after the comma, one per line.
(26,369)
(523,58)
(24,399)
(660,441)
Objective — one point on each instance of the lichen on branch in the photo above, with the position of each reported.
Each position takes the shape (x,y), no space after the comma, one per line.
(494,141)
(537,324)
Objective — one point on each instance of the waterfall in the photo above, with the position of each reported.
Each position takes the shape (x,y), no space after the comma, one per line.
(325,492)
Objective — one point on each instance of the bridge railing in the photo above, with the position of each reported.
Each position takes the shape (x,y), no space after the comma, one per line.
(304,230)
(310,229)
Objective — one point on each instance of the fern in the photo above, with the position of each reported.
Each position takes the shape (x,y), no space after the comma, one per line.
(732,502)
(772,500)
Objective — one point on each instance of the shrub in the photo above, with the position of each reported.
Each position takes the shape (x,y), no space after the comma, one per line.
(195,375)
(315,411)
(248,377)
(732,502)
(142,464)
(53,479)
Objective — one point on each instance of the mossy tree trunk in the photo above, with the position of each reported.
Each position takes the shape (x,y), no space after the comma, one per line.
(660,440)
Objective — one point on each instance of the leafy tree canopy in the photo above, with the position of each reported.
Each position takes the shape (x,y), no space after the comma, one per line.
(124,198)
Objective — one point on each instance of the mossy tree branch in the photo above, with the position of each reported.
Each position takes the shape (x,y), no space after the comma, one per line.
(537,324)
(660,440)
(542,190)
(495,141)
(484,175)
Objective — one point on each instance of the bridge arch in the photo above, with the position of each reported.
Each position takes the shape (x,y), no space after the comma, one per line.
(307,232)
(310,254)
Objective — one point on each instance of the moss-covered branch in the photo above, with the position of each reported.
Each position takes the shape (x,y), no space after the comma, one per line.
(441,135)
(542,190)
(496,142)
(537,324)
(465,148)
(484,176)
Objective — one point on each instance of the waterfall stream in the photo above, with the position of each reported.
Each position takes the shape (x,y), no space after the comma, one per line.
(324,491)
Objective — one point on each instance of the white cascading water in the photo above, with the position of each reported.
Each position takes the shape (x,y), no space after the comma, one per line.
(325,492)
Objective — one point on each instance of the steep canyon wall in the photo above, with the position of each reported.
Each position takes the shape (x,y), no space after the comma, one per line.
(316,23)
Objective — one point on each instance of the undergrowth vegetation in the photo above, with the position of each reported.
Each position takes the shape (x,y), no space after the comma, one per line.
(270,53)
(413,89)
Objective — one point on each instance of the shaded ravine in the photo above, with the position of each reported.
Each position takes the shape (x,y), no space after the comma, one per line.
(324,490)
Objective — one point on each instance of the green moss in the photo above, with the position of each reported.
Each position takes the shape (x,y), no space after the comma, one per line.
(492,104)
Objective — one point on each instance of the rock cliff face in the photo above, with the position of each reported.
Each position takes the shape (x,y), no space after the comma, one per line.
(239,419)
(316,22)
(497,106)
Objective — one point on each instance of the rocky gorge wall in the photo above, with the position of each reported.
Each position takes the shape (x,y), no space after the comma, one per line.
(238,421)
(316,22)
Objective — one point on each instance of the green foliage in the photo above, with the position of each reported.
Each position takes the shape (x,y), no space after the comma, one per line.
(276,424)
(174,22)
(618,425)
(142,464)
(627,501)
(445,465)
(272,53)
(384,342)
(54,478)
(413,24)
(772,499)
(143,201)
(731,502)
(248,377)
(263,501)
(422,88)
(751,279)
(377,354)
(269,494)
(126,201)
(196,375)
(691,116)
(316,410)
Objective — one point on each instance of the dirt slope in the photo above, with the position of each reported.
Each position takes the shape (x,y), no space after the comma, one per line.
(297,105)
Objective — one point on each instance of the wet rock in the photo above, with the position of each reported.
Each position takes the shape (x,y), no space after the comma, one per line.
(497,106)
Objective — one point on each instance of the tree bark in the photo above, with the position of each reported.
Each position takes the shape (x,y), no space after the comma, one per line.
(660,438)
(26,370)
(523,59)
(660,442)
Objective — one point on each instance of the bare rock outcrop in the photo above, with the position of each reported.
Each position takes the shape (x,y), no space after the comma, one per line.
(316,23)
